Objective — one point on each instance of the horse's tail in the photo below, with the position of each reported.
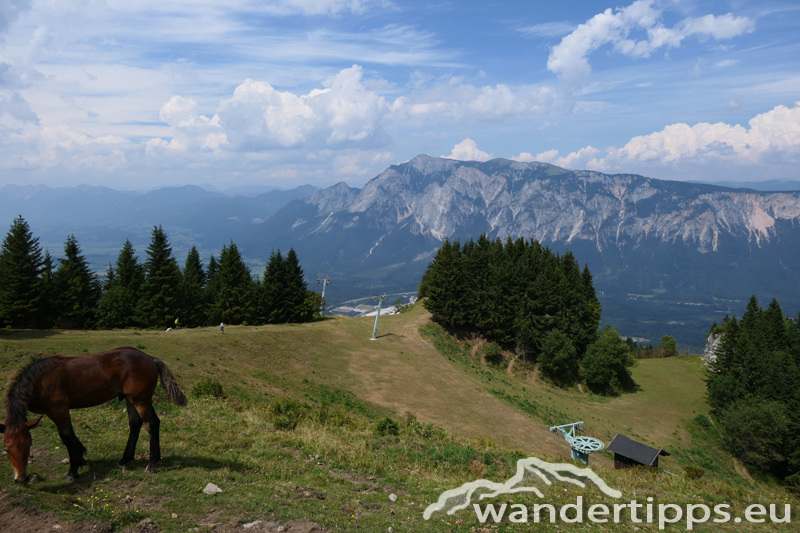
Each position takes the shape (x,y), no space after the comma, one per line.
(169,384)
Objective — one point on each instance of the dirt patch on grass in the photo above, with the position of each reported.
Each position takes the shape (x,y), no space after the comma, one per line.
(403,372)
(29,520)
(145,526)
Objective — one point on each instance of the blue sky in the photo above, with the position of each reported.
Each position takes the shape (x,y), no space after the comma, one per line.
(135,95)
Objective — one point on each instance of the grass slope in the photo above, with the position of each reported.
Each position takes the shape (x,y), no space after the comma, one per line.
(471,422)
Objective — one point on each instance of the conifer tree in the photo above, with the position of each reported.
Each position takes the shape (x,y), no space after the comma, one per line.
(271,286)
(49,293)
(210,292)
(590,314)
(118,304)
(235,296)
(775,327)
(109,279)
(754,389)
(295,288)
(129,272)
(192,286)
(21,264)
(77,287)
(159,302)
(441,284)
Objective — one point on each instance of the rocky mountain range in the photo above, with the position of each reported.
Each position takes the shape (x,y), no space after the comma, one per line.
(668,257)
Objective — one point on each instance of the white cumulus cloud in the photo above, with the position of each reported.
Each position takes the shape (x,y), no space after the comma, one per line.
(190,129)
(569,58)
(774,135)
(523,157)
(467,150)
(772,138)
(259,118)
(574,160)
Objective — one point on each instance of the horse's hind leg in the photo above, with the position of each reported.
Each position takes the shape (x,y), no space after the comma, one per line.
(74,446)
(152,424)
(135,424)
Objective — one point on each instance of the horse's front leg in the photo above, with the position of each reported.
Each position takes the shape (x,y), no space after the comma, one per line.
(135,424)
(75,448)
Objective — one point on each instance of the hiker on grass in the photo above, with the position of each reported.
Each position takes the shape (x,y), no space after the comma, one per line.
(177,323)
(221,327)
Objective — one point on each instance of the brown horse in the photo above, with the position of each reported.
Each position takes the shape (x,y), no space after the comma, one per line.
(53,385)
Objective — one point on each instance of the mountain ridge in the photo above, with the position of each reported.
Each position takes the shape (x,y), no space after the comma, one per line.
(660,242)
(668,257)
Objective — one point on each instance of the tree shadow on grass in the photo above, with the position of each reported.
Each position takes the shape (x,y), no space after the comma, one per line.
(98,471)
(21,334)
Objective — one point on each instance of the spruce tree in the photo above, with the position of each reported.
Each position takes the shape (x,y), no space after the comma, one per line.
(295,288)
(77,287)
(210,292)
(235,300)
(272,289)
(159,302)
(775,327)
(590,312)
(117,307)
(192,286)
(109,279)
(49,293)
(129,272)
(21,291)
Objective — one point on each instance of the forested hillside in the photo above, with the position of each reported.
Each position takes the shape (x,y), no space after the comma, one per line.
(754,389)
(533,301)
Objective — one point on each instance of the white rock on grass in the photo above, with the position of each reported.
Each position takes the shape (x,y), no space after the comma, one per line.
(393,497)
(211,489)
(253,524)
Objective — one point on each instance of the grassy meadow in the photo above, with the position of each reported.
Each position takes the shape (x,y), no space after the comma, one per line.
(458,420)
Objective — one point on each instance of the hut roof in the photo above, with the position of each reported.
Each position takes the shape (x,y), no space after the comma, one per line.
(641,453)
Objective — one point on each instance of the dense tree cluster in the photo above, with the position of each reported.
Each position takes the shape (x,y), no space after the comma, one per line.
(754,388)
(36,294)
(668,347)
(522,294)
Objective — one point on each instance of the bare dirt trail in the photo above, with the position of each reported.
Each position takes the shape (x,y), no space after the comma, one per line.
(403,372)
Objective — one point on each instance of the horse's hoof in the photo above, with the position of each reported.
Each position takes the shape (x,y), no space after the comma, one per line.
(151,468)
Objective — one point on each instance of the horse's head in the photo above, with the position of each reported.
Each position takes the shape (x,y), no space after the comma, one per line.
(17,442)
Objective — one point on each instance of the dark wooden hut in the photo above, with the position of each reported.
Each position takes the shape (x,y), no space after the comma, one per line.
(629,453)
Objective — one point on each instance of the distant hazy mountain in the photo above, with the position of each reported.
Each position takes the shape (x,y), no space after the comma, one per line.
(768,185)
(254,190)
(102,218)
(668,257)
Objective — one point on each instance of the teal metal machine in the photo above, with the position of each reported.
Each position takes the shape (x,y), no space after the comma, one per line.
(581,446)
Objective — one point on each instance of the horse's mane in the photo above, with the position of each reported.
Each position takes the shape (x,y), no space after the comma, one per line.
(23,386)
